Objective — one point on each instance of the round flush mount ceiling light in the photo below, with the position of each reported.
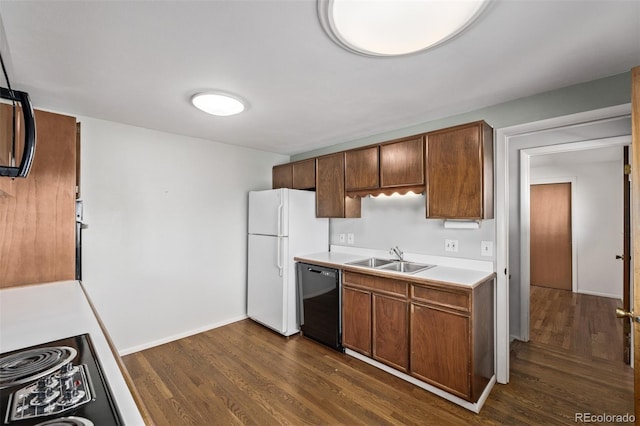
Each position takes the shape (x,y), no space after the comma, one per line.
(395,27)
(217,103)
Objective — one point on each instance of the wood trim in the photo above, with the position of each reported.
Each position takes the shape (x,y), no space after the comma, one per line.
(635,197)
(626,257)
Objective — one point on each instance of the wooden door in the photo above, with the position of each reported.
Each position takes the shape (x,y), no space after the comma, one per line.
(362,169)
(391,331)
(441,349)
(402,163)
(459,172)
(282,176)
(304,174)
(356,320)
(626,255)
(38,222)
(551,235)
(635,199)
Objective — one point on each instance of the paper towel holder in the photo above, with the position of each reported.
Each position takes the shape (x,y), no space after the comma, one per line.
(461,224)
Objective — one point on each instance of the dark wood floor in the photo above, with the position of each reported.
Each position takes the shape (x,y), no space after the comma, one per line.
(243,373)
(580,323)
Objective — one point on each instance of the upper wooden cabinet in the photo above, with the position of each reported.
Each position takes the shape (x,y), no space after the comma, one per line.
(402,162)
(38,222)
(331,199)
(459,172)
(304,174)
(298,175)
(362,169)
(282,176)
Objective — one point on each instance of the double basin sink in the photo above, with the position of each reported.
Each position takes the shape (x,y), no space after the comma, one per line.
(391,265)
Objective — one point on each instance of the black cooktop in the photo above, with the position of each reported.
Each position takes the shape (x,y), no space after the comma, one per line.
(56,383)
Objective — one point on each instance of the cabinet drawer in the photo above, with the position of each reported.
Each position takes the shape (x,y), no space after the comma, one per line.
(379,284)
(450,298)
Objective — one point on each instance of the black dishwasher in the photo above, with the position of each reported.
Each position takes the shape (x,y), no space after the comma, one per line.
(319,307)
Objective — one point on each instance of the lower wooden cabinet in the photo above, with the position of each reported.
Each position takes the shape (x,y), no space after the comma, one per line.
(356,320)
(440,348)
(440,334)
(390,327)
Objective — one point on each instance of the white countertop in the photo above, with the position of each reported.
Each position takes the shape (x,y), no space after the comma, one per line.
(444,272)
(37,314)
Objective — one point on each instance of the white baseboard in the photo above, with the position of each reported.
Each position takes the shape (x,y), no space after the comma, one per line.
(471,406)
(134,349)
(597,293)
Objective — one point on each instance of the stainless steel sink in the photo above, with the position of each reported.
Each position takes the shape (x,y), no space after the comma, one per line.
(406,267)
(391,265)
(373,262)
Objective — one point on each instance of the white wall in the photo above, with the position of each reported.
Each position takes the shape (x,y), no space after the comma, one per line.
(164,255)
(598,223)
(400,220)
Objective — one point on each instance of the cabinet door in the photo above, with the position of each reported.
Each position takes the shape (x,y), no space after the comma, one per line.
(331,200)
(440,349)
(356,320)
(304,174)
(402,163)
(37,223)
(460,173)
(362,169)
(282,176)
(391,331)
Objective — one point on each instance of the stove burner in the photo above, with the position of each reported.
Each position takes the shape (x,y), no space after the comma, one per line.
(29,365)
(67,421)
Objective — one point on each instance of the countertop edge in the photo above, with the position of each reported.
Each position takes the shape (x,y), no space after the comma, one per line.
(392,274)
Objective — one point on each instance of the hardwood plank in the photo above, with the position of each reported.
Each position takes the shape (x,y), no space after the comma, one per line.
(243,373)
(582,323)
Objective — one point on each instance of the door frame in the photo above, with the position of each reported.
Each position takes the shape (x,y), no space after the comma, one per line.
(503,137)
(525,219)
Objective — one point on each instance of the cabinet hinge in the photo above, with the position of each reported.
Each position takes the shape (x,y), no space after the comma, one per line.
(627,169)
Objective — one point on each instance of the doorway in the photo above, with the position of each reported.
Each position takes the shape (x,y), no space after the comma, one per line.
(512,310)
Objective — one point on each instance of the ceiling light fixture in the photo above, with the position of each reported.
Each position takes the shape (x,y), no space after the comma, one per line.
(217,103)
(395,27)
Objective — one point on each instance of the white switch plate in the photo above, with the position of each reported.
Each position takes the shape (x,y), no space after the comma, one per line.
(451,245)
(486,248)
(343,238)
(351,239)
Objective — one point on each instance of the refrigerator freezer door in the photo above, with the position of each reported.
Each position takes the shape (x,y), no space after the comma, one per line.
(268,282)
(269,212)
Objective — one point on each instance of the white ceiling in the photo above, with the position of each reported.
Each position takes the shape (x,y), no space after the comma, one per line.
(139,62)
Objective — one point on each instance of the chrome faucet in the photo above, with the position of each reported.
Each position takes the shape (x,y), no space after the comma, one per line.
(397,252)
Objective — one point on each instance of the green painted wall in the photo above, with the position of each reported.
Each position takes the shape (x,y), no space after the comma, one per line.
(601,93)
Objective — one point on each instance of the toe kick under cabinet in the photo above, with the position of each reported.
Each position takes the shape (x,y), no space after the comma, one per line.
(440,334)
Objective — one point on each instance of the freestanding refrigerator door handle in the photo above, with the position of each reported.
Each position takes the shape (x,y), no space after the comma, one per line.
(279,259)
(280,208)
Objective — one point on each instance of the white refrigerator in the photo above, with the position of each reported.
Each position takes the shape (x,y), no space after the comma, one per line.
(282,225)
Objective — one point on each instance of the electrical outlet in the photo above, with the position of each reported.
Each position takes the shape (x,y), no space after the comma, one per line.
(351,239)
(343,238)
(451,245)
(486,248)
